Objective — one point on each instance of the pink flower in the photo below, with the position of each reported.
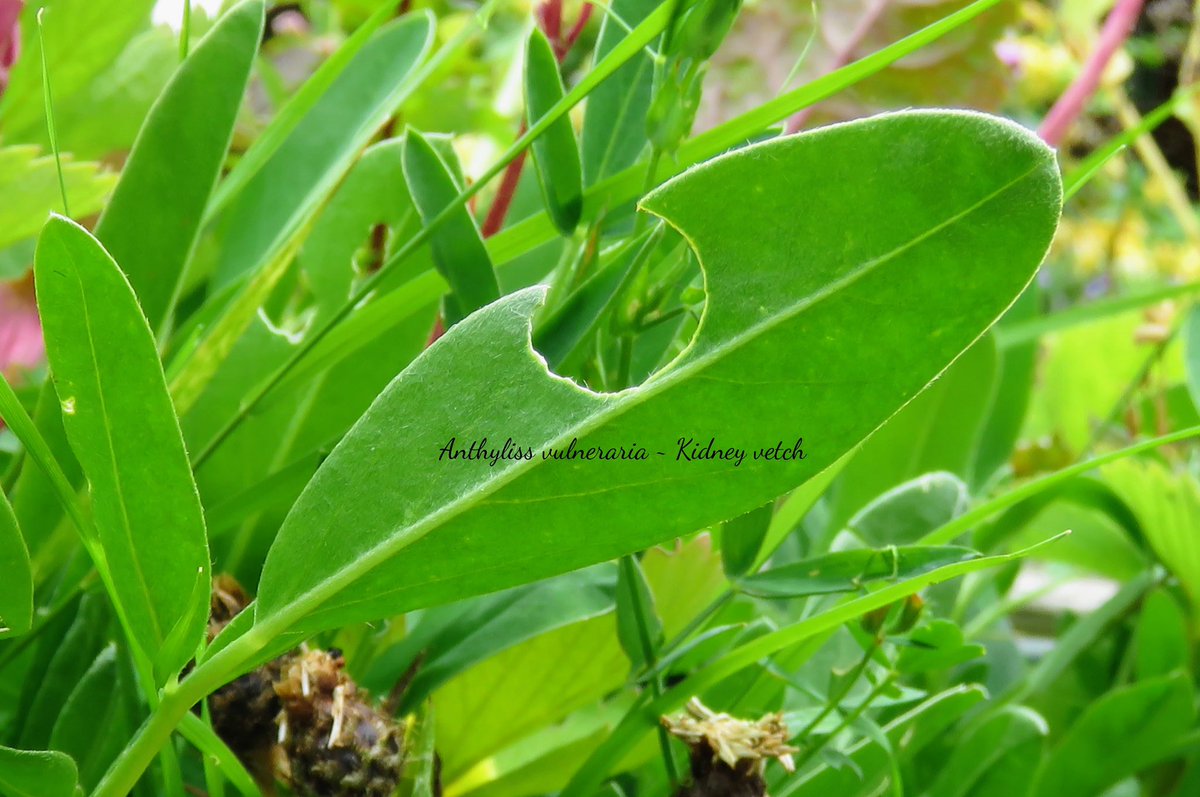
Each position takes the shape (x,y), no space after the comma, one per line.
(10,37)
(21,344)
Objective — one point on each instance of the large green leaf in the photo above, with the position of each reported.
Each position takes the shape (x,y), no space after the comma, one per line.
(177,159)
(938,431)
(807,332)
(976,754)
(123,430)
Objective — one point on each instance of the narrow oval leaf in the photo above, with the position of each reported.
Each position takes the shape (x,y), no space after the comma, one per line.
(154,217)
(40,773)
(122,427)
(865,237)
(848,571)
(458,249)
(16,586)
(555,152)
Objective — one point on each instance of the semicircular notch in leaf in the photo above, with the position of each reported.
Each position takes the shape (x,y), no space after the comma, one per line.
(846,268)
(122,427)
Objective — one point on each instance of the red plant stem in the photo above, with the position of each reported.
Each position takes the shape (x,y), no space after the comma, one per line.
(1070,105)
(844,55)
(564,46)
(550,15)
(504,194)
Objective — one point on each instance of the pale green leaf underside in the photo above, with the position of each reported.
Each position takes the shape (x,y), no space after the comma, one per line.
(846,268)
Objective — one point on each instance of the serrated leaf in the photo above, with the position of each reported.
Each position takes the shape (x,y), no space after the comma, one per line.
(82,37)
(29,185)
(122,427)
(783,351)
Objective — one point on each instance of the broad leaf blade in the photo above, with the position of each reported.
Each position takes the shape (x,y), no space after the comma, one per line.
(858,234)
(123,429)
(154,217)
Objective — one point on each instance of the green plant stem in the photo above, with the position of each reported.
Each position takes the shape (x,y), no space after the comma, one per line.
(837,697)
(641,612)
(639,718)
(699,620)
(846,722)
(185,30)
(48,98)
(629,47)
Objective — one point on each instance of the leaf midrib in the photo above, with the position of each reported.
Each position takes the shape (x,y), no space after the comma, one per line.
(310,600)
(128,529)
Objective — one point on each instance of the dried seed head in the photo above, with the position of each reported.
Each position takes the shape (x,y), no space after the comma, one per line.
(335,742)
(228,600)
(728,755)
